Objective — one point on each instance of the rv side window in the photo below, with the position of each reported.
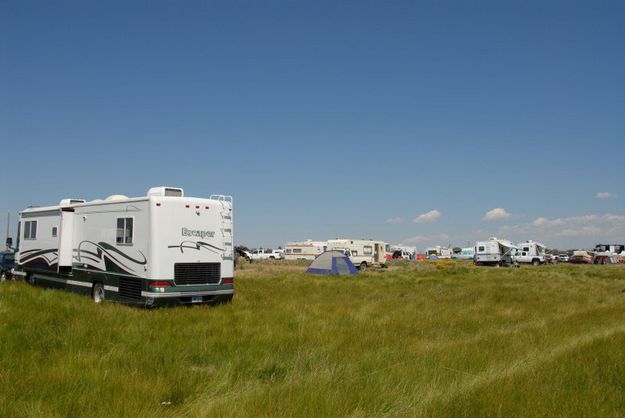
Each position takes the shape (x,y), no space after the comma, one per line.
(367,250)
(480,248)
(526,248)
(354,252)
(288,251)
(124,231)
(54,231)
(297,250)
(30,230)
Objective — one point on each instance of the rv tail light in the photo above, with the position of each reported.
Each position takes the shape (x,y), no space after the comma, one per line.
(160,284)
(205,207)
(186,206)
(158,204)
(228,281)
(197,206)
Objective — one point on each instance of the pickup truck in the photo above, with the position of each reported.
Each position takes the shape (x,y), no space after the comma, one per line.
(266,254)
(7,263)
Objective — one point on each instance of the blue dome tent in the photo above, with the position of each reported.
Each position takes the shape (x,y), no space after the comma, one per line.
(332,262)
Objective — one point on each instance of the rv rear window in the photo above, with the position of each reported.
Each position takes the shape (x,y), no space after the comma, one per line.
(30,230)
(54,231)
(124,231)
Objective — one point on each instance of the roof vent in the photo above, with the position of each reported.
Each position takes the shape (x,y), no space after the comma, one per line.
(66,202)
(166,191)
(116,198)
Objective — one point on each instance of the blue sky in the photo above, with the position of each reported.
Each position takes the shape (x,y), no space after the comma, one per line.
(326,118)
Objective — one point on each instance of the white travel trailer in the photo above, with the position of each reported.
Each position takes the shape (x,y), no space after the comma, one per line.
(362,253)
(530,252)
(153,250)
(438,252)
(495,252)
(304,250)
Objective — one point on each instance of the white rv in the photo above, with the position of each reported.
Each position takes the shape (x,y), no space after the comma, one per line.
(304,250)
(362,253)
(530,252)
(158,249)
(495,252)
(438,252)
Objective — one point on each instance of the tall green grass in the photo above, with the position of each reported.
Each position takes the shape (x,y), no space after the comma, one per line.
(434,339)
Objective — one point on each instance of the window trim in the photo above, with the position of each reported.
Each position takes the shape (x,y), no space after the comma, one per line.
(28,227)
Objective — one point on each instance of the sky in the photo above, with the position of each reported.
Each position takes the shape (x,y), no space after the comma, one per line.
(416,122)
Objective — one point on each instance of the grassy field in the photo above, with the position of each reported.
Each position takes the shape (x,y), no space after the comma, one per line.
(433,339)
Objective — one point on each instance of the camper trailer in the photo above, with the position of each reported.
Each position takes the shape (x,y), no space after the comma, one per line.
(463,253)
(437,252)
(362,253)
(495,252)
(158,249)
(304,250)
(530,252)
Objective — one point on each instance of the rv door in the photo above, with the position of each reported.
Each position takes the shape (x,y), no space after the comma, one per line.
(65,239)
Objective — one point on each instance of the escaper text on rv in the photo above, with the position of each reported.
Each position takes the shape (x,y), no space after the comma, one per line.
(131,250)
(196,233)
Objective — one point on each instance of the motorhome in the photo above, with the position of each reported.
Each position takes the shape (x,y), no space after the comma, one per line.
(437,252)
(495,251)
(530,252)
(304,250)
(362,253)
(158,249)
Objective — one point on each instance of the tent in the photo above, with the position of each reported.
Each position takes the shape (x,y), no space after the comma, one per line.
(332,262)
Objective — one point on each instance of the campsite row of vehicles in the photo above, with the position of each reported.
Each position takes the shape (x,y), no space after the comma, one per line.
(167,248)
(361,252)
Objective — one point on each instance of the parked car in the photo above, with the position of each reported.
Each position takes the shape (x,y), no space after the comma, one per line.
(265,254)
(581,257)
(563,258)
(7,263)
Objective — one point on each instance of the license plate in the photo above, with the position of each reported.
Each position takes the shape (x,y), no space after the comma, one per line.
(196,299)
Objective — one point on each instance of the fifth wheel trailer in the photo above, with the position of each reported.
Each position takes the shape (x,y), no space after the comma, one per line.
(162,248)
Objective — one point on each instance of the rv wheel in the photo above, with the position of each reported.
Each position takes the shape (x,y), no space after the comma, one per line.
(363,266)
(535,262)
(30,278)
(98,293)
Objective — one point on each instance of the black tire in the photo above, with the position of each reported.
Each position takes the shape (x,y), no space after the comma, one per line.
(31,279)
(97,293)
(536,262)
(363,266)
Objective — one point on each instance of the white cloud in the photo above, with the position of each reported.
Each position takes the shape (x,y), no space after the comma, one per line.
(394,220)
(604,195)
(496,214)
(430,216)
